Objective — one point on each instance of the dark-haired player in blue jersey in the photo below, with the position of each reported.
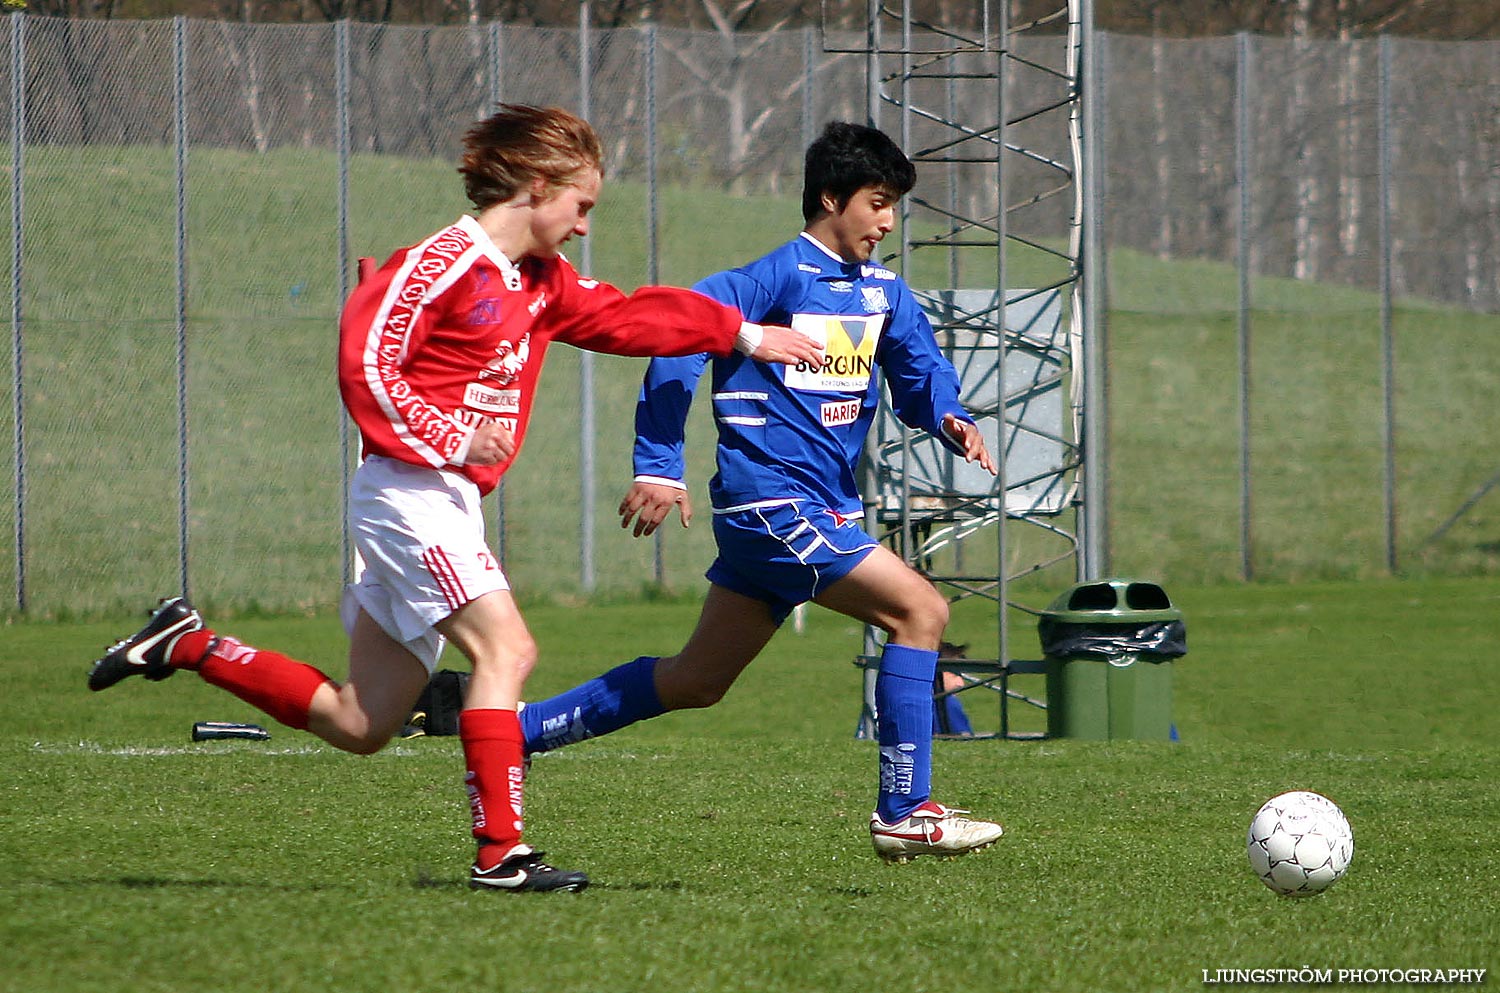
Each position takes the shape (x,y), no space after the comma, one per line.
(787,508)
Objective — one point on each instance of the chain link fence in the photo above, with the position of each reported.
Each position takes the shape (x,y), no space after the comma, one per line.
(1323,405)
(187,199)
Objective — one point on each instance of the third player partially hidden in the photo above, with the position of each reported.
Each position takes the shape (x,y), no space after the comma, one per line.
(786,506)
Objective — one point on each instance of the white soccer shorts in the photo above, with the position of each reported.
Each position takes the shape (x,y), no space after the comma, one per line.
(420,535)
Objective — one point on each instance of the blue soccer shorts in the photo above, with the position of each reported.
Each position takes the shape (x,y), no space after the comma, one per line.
(785,552)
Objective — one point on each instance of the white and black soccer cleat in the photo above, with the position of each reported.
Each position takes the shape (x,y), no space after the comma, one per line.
(148,652)
(523,871)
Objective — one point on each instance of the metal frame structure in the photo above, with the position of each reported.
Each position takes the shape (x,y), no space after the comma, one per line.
(1003,113)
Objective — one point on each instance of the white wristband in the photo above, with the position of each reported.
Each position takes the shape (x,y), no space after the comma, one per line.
(676,484)
(749,338)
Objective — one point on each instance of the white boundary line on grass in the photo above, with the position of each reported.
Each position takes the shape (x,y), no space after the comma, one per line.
(257,748)
(206,748)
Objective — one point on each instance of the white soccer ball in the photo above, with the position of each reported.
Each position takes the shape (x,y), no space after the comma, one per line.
(1299,843)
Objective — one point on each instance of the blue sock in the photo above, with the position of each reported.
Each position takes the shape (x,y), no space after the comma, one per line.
(903,717)
(617,699)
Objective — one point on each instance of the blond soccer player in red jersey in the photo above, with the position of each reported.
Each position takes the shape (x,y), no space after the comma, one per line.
(440,349)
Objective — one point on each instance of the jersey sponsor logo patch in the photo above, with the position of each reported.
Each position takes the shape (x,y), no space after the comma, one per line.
(492,401)
(471,419)
(848,342)
(840,412)
(876,272)
(841,286)
(510,358)
(486,311)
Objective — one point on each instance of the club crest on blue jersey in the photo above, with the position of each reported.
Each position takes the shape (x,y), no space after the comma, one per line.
(874,299)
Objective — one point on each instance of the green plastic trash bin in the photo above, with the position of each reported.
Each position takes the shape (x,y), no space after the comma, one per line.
(1109,645)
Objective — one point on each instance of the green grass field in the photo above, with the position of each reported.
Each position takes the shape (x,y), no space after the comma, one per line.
(728,847)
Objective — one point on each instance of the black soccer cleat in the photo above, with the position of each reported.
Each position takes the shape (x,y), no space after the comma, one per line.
(523,871)
(147,652)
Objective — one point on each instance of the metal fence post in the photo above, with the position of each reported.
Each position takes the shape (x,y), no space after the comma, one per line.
(1003,103)
(497,65)
(1387,335)
(809,74)
(653,191)
(180,140)
(1242,171)
(653,247)
(1093,282)
(586,433)
(341,141)
(17,261)
(496,95)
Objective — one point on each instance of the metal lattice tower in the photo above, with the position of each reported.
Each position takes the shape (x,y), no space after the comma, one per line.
(997,118)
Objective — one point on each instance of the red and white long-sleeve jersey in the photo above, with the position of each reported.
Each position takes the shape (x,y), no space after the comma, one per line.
(450,333)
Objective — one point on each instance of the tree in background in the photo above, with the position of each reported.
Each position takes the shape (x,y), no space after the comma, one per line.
(1438,19)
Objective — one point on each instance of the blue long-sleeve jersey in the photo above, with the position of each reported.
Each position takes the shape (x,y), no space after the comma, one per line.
(789,432)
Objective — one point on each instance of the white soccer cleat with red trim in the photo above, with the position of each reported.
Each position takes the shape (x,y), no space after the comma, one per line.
(931,829)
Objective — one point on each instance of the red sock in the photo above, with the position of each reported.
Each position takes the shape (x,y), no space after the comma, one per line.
(190,649)
(280,686)
(492,744)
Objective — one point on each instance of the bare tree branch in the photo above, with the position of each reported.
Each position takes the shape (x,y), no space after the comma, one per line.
(1435,19)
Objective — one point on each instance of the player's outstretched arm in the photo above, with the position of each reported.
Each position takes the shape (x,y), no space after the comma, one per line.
(784,345)
(650,503)
(969,436)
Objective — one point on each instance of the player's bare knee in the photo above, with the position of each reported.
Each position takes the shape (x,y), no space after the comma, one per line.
(368,744)
(922,621)
(357,740)
(937,616)
(698,696)
(523,663)
(685,687)
(515,659)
